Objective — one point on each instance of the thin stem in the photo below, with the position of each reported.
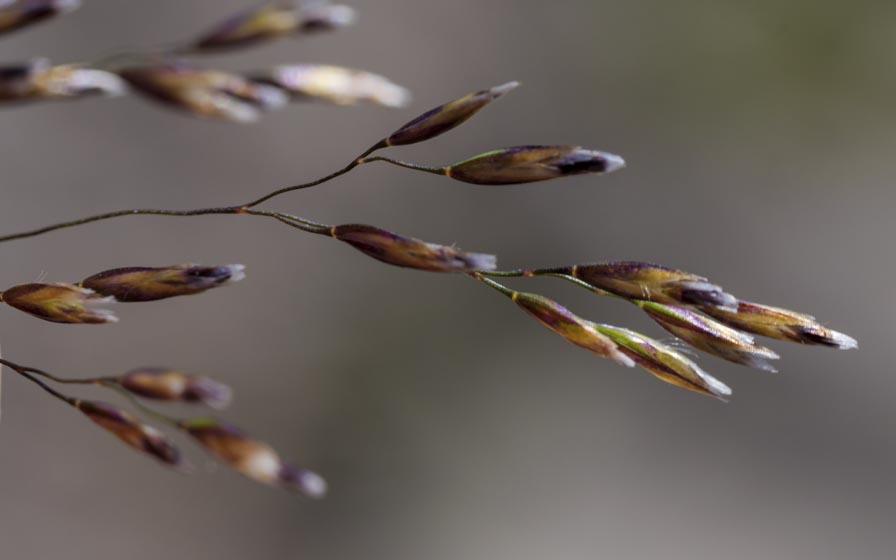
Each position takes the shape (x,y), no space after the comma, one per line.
(294,221)
(239,209)
(583,284)
(109,384)
(414,166)
(553,273)
(51,377)
(518,273)
(110,215)
(491,283)
(24,372)
(354,163)
(105,382)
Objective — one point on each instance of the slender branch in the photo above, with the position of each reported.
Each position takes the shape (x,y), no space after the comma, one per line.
(50,376)
(30,373)
(354,163)
(552,273)
(416,167)
(492,284)
(164,418)
(294,221)
(24,372)
(118,213)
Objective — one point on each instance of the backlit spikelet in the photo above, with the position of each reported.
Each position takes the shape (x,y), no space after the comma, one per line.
(315,18)
(408,252)
(264,22)
(171,385)
(135,284)
(38,79)
(131,431)
(570,326)
(252,458)
(781,324)
(16,14)
(709,335)
(446,117)
(335,84)
(205,93)
(59,303)
(651,282)
(273,20)
(527,164)
(665,362)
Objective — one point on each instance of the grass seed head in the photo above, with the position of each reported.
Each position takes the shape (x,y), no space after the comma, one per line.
(131,431)
(408,252)
(255,25)
(651,282)
(59,303)
(781,324)
(254,459)
(665,362)
(38,79)
(570,326)
(134,284)
(710,336)
(202,92)
(316,18)
(335,84)
(527,164)
(16,14)
(446,117)
(171,385)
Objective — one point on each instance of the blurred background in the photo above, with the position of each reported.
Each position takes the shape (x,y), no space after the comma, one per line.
(450,426)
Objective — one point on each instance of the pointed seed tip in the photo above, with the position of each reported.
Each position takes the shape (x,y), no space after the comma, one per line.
(498,91)
(844,341)
(613,162)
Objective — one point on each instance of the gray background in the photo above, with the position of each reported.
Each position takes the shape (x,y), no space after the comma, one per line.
(759,136)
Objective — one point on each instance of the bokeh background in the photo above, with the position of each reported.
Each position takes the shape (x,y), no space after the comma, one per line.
(760,142)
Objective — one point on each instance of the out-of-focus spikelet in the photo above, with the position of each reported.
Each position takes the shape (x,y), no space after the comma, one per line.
(38,79)
(171,385)
(131,431)
(16,14)
(252,458)
(205,93)
(59,303)
(335,84)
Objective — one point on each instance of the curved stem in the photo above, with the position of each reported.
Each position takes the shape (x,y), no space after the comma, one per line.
(139,405)
(30,373)
(354,163)
(550,272)
(50,376)
(416,167)
(492,284)
(27,374)
(293,221)
(116,214)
